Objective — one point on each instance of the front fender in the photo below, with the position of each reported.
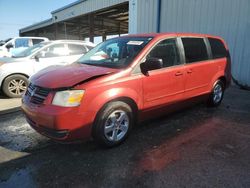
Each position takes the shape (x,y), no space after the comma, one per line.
(108,95)
(11,69)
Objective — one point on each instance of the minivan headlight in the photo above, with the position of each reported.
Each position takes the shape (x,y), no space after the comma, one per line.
(68,98)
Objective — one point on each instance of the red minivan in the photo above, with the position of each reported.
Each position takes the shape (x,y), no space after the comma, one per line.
(123,80)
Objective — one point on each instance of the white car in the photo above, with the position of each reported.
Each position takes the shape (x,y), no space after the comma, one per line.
(15,71)
(19,44)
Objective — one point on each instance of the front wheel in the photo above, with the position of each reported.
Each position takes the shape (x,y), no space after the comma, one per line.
(216,95)
(15,85)
(113,124)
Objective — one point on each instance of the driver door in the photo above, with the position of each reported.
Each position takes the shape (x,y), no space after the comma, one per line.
(166,85)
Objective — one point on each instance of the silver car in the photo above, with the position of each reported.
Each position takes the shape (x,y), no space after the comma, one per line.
(15,71)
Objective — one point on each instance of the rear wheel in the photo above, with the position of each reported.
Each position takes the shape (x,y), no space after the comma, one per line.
(113,124)
(217,94)
(15,85)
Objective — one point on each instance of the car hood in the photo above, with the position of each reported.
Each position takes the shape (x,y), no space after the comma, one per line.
(4,60)
(68,76)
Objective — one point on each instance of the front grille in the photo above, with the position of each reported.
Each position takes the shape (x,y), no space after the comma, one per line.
(36,94)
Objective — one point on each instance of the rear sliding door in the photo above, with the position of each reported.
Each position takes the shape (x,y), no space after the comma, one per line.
(199,67)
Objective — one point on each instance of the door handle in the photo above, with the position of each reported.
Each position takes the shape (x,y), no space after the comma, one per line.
(189,71)
(178,73)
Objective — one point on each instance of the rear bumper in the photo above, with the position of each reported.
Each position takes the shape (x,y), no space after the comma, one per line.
(59,123)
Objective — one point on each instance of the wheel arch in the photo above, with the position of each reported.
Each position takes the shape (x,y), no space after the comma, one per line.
(219,76)
(224,80)
(124,99)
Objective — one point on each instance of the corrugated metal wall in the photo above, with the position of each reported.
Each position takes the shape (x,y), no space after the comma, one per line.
(147,11)
(227,18)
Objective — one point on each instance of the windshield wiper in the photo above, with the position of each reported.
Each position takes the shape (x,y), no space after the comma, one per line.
(17,56)
(93,64)
(89,64)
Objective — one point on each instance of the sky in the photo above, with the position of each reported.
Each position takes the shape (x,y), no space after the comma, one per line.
(17,14)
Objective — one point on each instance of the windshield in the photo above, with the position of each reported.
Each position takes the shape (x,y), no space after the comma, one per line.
(30,50)
(115,53)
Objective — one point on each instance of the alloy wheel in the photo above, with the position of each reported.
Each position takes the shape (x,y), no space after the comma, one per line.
(116,125)
(17,87)
(217,93)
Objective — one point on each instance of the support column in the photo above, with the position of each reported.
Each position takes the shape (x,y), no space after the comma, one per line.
(119,32)
(104,37)
(65,31)
(79,33)
(36,33)
(55,31)
(91,27)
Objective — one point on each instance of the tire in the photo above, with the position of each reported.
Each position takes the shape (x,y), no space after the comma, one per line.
(217,94)
(15,85)
(108,131)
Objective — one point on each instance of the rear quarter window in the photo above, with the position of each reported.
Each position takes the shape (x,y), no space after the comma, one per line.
(195,49)
(217,47)
(36,41)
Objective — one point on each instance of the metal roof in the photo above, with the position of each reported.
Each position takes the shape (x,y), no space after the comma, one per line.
(83,19)
(72,11)
(67,6)
(37,25)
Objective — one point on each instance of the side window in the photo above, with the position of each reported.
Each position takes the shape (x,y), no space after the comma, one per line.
(76,49)
(56,50)
(167,51)
(21,43)
(218,48)
(195,49)
(36,41)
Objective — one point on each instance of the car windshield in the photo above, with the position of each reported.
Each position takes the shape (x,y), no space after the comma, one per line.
(30,50)
(115,53)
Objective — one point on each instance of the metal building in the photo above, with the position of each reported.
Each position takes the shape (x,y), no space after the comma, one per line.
(227,18)
(83,19)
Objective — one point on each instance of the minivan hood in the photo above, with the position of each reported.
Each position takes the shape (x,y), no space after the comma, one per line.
(68,76)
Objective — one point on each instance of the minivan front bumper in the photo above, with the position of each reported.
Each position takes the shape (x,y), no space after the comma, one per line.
(59,123)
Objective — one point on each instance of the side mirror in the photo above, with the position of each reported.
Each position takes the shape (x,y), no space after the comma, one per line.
(36,57)
(8,46)
(151,64)
(39,55)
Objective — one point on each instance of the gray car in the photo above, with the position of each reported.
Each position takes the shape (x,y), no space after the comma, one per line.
(15,71)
